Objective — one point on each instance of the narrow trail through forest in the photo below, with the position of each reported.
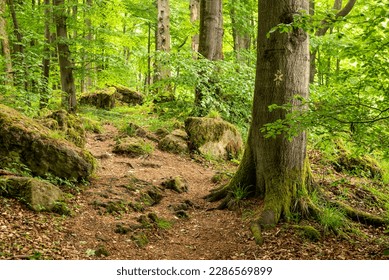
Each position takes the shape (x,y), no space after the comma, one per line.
(125,213)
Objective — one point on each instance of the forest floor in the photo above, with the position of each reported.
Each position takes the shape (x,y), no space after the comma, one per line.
(105,225)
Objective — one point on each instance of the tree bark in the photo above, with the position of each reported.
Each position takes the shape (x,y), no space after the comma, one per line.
(5,45)
(194,7)
(240,18)
(211,40)
(44,98)
(86,81)
(162,70)
(276,169)
(211,29)
(65,63)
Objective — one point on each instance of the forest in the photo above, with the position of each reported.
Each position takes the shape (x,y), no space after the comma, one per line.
(197,129)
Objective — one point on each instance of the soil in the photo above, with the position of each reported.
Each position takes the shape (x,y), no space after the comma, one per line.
(127,213)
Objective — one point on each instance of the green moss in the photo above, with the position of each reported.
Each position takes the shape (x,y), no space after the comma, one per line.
(309,232)
(133,147)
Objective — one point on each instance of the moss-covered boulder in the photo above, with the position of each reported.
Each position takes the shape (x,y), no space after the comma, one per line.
(104,99)
(175,142)
(25,142)
(36,194)
(128,95)
(132,147)
(69,125)
(214,137)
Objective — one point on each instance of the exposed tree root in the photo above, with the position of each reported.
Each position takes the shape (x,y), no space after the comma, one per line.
(359,216)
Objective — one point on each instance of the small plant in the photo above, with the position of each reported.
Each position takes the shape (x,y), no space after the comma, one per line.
(332,219)
(238,194)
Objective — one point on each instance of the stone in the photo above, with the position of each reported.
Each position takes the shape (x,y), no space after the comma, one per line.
(36,194)
(213,137)
(26,144)
(175,142)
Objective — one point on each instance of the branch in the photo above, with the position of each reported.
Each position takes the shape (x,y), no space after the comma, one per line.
(342,13)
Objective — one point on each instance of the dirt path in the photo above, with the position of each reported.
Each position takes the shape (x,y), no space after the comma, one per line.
(112,219)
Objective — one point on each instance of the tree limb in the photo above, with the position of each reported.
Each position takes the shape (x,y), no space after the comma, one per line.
(342,13)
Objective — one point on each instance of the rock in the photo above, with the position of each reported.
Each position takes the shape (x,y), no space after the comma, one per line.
(177,184)
(25,143)
(161,132)
(36,194)
(132,147)
(68,124)
(128,95)
(214,137)
(133,130)
(175,142)
(104,99)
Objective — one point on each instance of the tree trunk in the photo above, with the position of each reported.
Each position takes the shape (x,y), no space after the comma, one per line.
(194,7)
(211,29)
(5,45)
(162,70)
(44,98)
(240,18)
(276,168)
(86,81)
(65,64)
(211,40)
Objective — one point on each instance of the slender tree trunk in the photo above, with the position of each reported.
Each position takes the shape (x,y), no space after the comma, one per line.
(240,17)
(86,81)
(325,26)
(211,40)
(162,70)
(5,45)
(65,63)
(44,98)
(194,7)
(19,46)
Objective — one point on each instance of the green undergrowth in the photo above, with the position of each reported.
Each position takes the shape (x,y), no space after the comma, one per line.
(121,116)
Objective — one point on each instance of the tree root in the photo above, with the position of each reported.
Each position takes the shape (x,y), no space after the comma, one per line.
(359,216)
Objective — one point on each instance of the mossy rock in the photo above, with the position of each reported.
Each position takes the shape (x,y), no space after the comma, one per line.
(177,184)
(70,125)
(36,194)
(175,142)
(132,147)
(214,137)
(28,143)
(103,99)
(128,95)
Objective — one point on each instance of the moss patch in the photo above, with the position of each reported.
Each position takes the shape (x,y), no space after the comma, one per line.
(213,137)
(34,146)
(133,147)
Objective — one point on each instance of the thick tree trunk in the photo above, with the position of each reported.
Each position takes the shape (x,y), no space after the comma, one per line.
(276,168)
(211,29)
(5,45)
(65,64)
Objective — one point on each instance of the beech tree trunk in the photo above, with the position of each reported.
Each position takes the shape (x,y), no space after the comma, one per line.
(240,18)
(194,7)
(65,63)
(5,45)
(162,70)
(276,168)
(44,98)
(211,40)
